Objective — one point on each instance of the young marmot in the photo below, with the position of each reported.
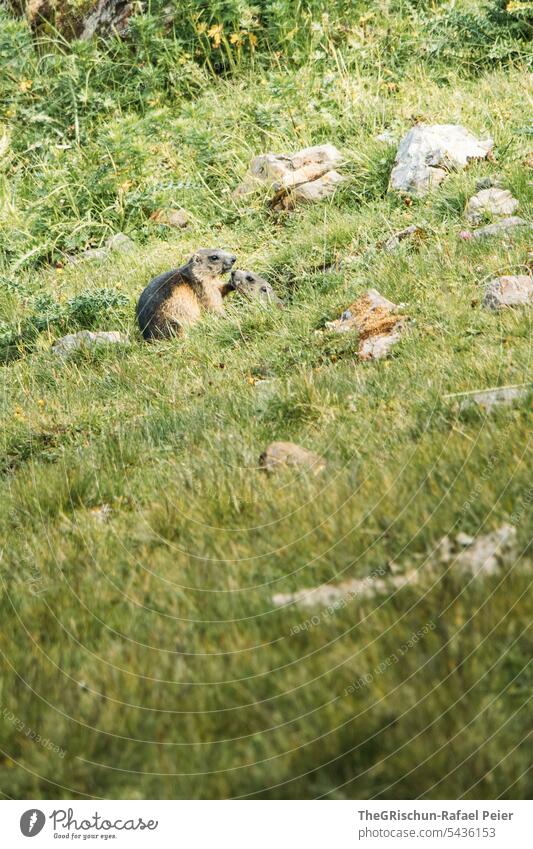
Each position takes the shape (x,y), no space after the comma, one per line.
(175,299)
(253,287)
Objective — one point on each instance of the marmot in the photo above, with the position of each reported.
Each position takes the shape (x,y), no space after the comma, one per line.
(175,299)
(253,287)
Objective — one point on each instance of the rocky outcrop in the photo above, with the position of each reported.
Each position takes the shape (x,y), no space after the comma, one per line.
(428,152)
(307,176)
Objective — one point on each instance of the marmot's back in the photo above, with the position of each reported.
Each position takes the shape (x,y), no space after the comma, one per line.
(152,298)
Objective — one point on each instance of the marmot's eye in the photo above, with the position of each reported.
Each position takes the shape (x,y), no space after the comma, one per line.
(249,279)
(213,258)
(264,289)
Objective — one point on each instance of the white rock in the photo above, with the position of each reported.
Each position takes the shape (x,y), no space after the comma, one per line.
(509,291)
(428,152)
(493,201)
(4,144)
(87,340)
(102,513)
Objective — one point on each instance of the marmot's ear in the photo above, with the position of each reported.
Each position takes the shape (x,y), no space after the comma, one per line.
(196,258)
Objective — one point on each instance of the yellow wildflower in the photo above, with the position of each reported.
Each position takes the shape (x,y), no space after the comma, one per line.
(215,33)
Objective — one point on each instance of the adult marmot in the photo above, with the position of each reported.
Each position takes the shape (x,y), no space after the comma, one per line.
(175,299)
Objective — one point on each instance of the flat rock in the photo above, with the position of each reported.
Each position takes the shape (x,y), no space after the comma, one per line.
(87,340)
(280,455)
(178,218)
(375,319)
(487,399)
(499,228)
(413,232)
(509,291)
(428,152)
(491,201)
(307,176)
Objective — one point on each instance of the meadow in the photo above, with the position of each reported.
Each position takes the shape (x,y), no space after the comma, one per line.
(141,546)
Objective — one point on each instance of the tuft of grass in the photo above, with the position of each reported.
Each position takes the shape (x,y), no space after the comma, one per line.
(146,646)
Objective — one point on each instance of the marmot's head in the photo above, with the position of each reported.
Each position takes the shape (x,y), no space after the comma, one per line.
(210,263)
(254,288)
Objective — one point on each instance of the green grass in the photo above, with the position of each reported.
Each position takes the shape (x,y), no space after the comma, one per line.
(147,648)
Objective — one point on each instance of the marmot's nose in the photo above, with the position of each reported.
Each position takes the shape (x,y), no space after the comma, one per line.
(232,258)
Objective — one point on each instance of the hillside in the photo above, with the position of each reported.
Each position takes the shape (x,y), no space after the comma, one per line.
(142,547)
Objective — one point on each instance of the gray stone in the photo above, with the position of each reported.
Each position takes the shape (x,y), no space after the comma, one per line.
(492,201)
(279,455)
(488,399)
(499,228)
(87,340)
(428,152)
(509,291)
(119,243)
(177,218)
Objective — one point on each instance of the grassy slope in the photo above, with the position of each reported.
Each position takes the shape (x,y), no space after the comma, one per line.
(148,648)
